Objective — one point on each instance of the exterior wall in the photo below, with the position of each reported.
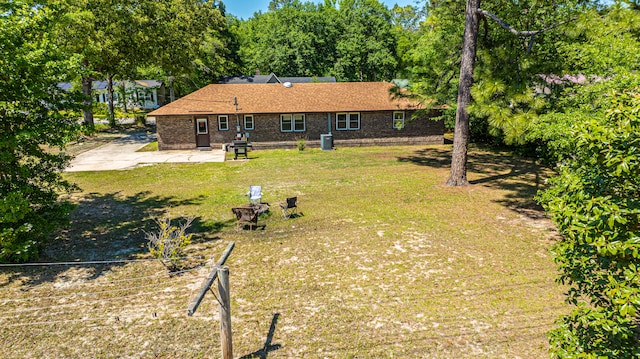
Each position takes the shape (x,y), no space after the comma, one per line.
(380,125)
(178,132)
(372,125)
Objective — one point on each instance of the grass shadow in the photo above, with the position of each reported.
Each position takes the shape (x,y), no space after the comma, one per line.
(520,177)
(429,157)
(106,231)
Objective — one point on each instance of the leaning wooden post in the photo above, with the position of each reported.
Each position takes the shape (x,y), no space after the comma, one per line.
(193,306)
(225,313)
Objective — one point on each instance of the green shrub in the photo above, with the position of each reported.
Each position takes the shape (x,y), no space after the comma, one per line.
(99,109)
(595,202)
(302,144)
(24,226)
(141,119)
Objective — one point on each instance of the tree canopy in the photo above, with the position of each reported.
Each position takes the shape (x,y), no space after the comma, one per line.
(555,80)
(351,40)
(33,117)
(120,38)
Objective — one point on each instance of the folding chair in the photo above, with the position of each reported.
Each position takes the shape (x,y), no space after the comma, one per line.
(255,194)
(289,207)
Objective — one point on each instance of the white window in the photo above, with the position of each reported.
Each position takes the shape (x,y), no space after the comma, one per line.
(202,126)
(292,123)
(223,123)
(398,120)
(248,122)
(348,121)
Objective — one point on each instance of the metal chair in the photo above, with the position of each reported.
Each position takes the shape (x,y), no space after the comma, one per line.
(289,207)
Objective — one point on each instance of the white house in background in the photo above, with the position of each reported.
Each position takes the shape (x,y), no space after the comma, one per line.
(144,94)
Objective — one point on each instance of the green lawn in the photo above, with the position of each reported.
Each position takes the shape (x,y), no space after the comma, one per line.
(385,262)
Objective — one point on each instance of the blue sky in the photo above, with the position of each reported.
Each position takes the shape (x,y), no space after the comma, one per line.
(244,9)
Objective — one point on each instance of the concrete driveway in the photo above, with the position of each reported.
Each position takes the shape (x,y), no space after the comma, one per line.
(121,155)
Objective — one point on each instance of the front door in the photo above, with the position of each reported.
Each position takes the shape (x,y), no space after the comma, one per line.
(202,133)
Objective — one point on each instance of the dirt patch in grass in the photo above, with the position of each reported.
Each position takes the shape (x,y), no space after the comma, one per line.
(384,262)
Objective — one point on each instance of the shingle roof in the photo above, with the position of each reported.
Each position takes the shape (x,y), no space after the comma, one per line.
(67,86)
(149,83)
(271,78)
(257,79)
(277,98)
(307,79)
(99,85)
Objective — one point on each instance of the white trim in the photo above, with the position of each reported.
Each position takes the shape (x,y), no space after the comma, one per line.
(293,120)
(224,122)
(396,120)
(253,123)
(206,126)
(347,121)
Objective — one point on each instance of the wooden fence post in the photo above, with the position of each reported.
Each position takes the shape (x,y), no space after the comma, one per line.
(193,306)
(225,313)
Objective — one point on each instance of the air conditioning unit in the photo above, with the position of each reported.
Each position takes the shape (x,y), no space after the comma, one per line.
(326,141)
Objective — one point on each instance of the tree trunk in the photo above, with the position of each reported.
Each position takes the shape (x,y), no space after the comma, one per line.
(112,112)
(123,97)
(458,174)
(87,82)
(172,96)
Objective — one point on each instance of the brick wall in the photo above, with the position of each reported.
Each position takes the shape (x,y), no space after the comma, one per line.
(178,132)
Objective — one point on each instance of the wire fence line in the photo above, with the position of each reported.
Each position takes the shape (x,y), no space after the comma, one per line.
(34,297)
(155,314)
(96,303)
(82,263)
(108,311)
(186,293)
(84,302)
(468,291)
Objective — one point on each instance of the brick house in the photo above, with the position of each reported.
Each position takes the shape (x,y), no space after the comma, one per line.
(277,115)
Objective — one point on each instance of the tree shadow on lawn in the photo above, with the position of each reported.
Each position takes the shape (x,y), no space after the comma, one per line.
(109,227)
(520,177)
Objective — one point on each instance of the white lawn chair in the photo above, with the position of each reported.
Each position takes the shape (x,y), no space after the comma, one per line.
(255,194)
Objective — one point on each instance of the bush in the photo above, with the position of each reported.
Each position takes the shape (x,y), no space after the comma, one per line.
(24,227)
(595,202)
(141,120)
(169,242)
(302,144)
